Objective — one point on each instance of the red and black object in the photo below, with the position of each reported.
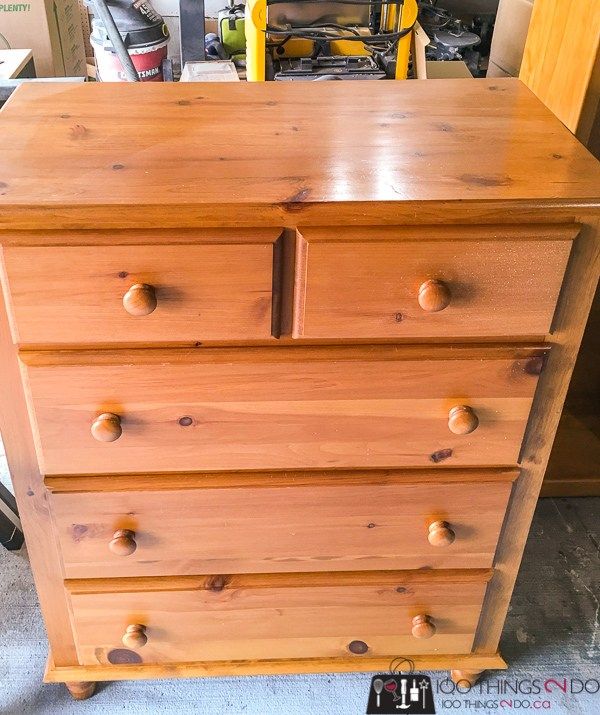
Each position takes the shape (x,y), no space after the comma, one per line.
(126,33)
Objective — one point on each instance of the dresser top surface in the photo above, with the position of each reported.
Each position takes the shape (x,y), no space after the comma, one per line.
(287,144)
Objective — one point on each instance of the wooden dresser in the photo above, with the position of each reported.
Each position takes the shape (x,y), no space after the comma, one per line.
(282,366)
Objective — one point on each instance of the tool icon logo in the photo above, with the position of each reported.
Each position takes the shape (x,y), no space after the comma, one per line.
(400,693)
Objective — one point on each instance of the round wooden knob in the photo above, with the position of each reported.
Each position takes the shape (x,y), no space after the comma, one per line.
(123,542)
(440,534)
(423,626)
(434,296)
(140,299)
(107,427)
(462,420)
(135,636)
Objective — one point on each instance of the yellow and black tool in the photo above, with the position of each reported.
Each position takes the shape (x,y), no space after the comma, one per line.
(333,34)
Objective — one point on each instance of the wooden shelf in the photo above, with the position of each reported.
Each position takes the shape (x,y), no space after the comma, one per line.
(574,468)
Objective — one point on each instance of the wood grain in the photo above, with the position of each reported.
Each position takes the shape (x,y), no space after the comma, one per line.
(278,409)
(75,294)
(359,283)
(569,324)
(71,484)
(19,224)
(300,617)
(255,529)
(274,580)
(180,154)
(561,55)
(34,513)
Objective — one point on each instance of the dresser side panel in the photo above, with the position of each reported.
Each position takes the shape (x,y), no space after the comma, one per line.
(31,495)
(569,323)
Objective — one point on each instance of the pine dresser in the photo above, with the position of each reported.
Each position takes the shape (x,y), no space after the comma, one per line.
(282,366)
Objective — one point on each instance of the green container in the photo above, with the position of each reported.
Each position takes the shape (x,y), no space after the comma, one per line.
(232,30)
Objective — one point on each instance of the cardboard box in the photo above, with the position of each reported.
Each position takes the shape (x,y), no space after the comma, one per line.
(495,71)
(52,29)
(448,69)
(508,41)
(16,64)
(85,19)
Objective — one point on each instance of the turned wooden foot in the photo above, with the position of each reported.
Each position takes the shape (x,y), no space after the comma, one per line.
(81,691)
(466,678)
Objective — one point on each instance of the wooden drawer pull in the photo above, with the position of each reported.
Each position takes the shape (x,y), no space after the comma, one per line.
(434,296)
(423,626)
(107,427)
(140,299)
(123,542)
(440,534)
(135,636)
(462,420)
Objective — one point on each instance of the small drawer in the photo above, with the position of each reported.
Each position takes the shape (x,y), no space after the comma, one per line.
(270,616)
(86,295)
(280,408)
(268,523)
(435,282)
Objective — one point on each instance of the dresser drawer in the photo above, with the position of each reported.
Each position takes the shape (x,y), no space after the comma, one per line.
(138,294)
(280,408)
(256,523)
(258,617)
(435,282)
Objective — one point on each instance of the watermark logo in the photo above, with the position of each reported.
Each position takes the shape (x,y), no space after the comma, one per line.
(401,691)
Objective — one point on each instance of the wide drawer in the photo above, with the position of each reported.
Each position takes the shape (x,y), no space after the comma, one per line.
(434,282)
(255,523)
(257,617)
(270,408)
(142,293)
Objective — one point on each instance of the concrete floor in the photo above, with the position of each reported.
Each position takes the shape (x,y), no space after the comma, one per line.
(551,632)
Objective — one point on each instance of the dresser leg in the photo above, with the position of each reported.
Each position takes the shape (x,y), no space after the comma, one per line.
(81,691)
(466,678)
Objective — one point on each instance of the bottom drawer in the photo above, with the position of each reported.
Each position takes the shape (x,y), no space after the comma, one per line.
(259,617)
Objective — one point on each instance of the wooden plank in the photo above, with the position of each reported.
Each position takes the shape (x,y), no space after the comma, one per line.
(288,354)
(143,584)
(54,674)
(310,527)
(71,484)
(569,324)
(177,155)
(34,513)
(561,56)
(574,467)
(291,217)
(198,410)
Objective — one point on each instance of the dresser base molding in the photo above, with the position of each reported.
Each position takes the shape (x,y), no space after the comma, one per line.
(94,673)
